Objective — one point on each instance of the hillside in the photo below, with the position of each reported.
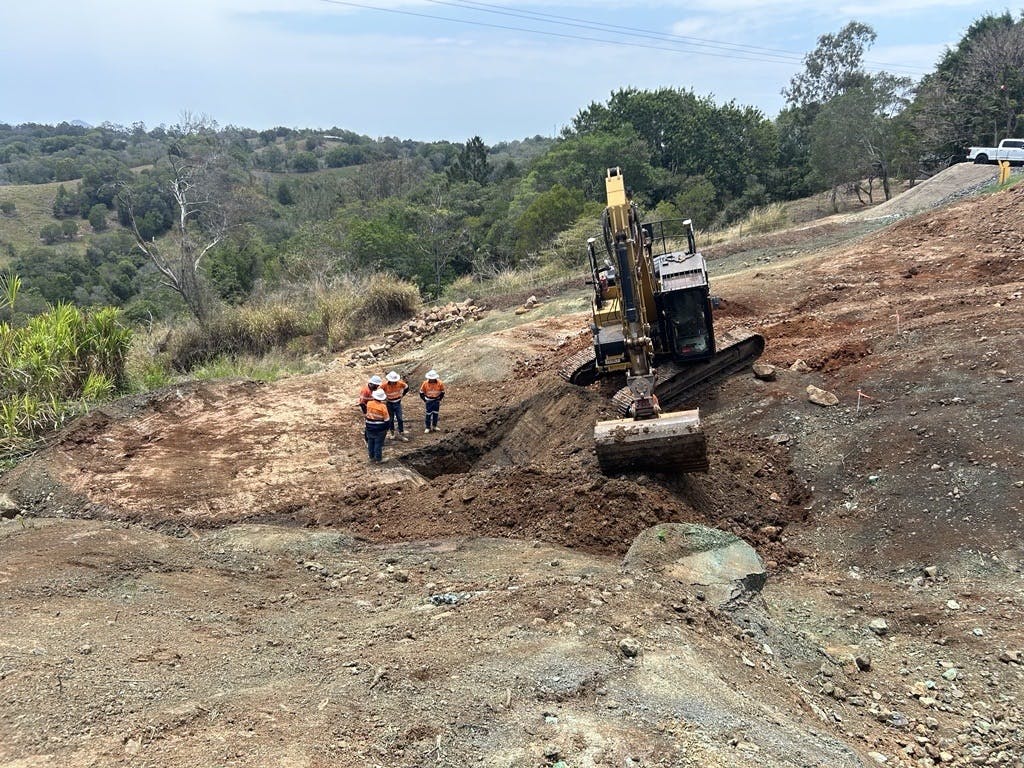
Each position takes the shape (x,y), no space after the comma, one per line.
(214,573)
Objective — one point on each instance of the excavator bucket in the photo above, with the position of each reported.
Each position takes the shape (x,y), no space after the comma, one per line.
(673,442)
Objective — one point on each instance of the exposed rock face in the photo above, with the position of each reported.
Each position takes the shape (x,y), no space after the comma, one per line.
(722,565)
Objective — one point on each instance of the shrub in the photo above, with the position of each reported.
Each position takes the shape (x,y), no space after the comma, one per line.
(7,207)
(52,367)
(332,316)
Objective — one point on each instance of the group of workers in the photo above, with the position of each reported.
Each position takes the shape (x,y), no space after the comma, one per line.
(381,403)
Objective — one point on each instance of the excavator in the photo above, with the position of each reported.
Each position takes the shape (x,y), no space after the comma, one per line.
(652,319)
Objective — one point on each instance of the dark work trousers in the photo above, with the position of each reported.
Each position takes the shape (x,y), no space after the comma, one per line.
(430,417)
(395,409)
(375,439)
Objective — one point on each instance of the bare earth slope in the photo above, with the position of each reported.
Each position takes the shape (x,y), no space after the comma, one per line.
(214,575)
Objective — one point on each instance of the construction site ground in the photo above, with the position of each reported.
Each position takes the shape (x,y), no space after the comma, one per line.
(214,575)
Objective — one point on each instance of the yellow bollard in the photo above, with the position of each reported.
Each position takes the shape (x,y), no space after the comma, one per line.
(1004,171)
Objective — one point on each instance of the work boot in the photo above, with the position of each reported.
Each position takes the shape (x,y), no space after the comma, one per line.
(403,438)
(425,431)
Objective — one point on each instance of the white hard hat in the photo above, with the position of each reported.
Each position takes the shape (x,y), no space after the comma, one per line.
(431,374)
(379,394)
(375,379)
(393,377)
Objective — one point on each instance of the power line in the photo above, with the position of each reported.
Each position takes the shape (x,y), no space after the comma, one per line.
(739,54)
(791,56)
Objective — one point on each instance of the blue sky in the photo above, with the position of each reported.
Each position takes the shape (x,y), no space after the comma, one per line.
(426,69)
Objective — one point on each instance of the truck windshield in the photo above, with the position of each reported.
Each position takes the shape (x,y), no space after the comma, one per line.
(684,312)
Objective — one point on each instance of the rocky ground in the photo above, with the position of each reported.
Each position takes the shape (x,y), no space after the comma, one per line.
(213,574)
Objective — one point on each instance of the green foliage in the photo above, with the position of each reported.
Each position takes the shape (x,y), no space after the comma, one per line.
(696,201)
(835,66)
(51,233)
(7,207)
(69,229)
(305,162)
(54,366)
(976,94)
(65,204)
(284,194)
(98,217)
(471,163)
(549,213)
(581,162)
(345,155)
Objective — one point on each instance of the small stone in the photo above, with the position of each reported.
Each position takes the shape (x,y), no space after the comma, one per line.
(863,663)
(878,757)
(400,576)
(879,626)
(764,372)
(1010,657)
(85,650)
(799,366)
(931,571)
(953,605)
(629,647)
(978,632)
(821,397)
(951,674)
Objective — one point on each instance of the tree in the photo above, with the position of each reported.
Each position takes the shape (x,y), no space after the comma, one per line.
(7,207)
(305,162)
(98,217)
(51,233)
(200,188)
(833,67)
(471,163)
(548,214)
(284,194)
(69,229)
(976,94)
(65,204)
(836,157)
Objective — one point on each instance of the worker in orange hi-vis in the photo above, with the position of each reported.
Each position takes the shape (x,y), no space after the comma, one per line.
(431,393)
(367,391)
(377,420)
(395,390)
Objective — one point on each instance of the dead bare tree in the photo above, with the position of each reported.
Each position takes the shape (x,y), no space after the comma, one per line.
(201,194)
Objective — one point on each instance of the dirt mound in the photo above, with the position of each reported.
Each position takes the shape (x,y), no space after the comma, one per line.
(947,186)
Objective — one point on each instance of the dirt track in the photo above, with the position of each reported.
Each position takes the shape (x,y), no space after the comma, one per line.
(243,589)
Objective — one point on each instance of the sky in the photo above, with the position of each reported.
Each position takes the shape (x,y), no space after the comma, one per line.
(427,69)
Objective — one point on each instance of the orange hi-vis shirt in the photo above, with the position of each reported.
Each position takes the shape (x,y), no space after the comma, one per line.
(432,389)
(395,391)
(377,410)
(365,395)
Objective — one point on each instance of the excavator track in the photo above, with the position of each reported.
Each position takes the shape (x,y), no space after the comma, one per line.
(580,369)
(675,383)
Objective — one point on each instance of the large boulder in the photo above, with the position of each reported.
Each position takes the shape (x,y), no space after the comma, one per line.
(722,566)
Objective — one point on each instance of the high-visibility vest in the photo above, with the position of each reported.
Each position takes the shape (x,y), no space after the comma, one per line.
(395,390)
(376,412)
(432,389)
(365,395)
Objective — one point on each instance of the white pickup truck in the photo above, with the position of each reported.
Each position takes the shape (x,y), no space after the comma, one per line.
(1008,149)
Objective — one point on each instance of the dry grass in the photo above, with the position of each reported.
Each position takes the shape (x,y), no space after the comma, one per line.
(297,319)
